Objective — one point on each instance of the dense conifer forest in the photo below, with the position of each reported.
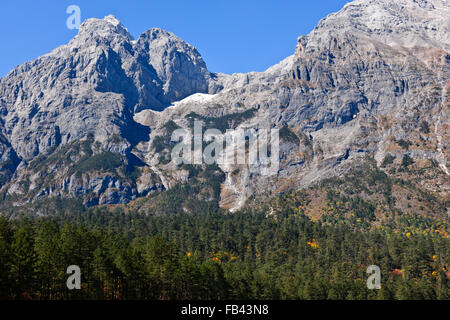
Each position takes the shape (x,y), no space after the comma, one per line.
(270,250)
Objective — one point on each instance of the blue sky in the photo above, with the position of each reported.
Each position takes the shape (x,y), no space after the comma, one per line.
(232,36)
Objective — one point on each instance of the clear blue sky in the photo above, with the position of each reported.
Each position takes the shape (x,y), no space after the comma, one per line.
(231,35)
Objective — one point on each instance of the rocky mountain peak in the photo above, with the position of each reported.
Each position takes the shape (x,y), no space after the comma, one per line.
(97,80)
(177,63)
(406,23)
(113,20)
(109,27)
(155,33)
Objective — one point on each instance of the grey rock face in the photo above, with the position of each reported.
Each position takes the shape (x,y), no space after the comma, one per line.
(8,161)
(177,64)
(365,78)
(92,86)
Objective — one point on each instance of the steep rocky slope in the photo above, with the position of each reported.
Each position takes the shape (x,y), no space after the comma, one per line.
(88,91)
(93,118)
(369,81)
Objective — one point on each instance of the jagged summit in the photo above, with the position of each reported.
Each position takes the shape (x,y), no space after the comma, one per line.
(112,19)
(407,23)
(107,27)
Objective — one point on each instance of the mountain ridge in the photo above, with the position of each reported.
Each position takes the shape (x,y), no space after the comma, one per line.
(364,79)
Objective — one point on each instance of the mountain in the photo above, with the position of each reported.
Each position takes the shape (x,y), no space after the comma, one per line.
(93,118)
(89,90)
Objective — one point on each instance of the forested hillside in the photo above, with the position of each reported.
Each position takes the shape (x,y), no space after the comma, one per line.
(279,249)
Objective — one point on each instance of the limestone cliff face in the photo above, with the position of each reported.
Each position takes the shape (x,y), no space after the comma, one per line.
(365,81)
(92,87)
(369,81)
